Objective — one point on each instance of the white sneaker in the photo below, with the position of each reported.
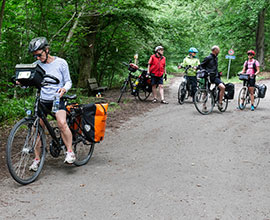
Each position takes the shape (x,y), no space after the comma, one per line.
(220,106)
(70,157)
(34,165)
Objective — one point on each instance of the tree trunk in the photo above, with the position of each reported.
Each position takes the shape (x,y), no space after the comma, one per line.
(87,50)
(2,16)
(260,36)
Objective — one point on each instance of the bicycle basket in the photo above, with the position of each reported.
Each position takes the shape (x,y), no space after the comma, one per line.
(94,121)
(243,77)
(29,74)
(132,67)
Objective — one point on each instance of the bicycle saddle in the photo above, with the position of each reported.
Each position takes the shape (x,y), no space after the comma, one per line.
(66,97)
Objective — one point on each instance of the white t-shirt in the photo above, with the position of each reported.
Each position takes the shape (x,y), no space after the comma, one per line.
(59,69)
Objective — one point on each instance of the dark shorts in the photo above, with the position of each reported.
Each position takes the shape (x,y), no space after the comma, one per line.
(251,82)
(216,80)
(156,80)
(49,104)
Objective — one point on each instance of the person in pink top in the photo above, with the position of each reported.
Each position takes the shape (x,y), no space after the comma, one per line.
(252,68)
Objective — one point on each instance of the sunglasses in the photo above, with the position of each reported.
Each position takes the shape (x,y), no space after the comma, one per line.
(250,54)
(37,55)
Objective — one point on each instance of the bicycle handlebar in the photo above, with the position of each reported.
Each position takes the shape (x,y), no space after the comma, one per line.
(55,80)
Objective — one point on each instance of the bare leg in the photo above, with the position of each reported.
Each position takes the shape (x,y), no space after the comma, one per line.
(251,92)
(65,131)
(38,143)
(154,89)
(161,91)
(221,93)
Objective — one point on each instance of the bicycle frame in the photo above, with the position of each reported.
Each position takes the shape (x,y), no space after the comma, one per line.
(39,114)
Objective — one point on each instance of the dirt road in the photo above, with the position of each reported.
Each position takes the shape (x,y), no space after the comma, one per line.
(170,163)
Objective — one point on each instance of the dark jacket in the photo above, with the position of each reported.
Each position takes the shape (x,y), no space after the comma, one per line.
(210,64)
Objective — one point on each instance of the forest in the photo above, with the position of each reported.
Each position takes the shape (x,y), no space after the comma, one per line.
(96,36)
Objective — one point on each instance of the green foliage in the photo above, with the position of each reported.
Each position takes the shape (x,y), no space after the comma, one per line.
(121,29)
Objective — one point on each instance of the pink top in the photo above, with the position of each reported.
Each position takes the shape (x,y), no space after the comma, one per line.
(250,70)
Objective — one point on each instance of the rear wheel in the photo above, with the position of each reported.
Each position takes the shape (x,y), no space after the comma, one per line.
(204,101)
(143,94)
(256,97)
(224,105)
(242,98)
(25,137)
(83,151)
(182,93)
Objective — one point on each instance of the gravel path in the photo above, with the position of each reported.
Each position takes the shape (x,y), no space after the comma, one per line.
(170,163)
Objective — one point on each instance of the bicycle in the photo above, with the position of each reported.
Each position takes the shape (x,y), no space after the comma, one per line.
(28,133)
(206,98)
(140,87)
(185,88)
(244,96)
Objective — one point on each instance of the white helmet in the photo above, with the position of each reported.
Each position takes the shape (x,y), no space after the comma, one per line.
(158,48)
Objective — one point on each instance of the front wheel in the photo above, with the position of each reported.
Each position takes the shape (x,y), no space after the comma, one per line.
(242,98)
(26,138)
(122,90)
(182,93)
(204,101)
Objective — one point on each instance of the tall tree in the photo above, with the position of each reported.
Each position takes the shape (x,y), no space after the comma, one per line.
(260,38)
(2,16)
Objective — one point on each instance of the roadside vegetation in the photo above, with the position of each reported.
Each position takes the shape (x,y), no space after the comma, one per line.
(95,37)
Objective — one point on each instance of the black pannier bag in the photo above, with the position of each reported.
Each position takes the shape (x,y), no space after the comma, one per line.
(145,82)
(262,90)
(29,74)
(229,91)
(94,121)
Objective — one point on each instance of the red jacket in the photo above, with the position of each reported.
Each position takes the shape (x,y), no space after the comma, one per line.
(157,65)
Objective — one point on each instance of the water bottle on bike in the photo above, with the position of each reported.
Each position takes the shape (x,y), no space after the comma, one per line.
(56,102)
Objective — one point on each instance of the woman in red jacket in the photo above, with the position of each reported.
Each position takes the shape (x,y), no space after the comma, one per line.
(157,67)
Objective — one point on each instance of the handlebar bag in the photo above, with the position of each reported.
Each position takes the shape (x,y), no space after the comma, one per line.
(243,77)
(94,118)
(229,91)
(201,74)
(29,74)
(132,67)
(262,90)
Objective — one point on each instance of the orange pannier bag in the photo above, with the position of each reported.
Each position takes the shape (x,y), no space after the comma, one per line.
(93,121)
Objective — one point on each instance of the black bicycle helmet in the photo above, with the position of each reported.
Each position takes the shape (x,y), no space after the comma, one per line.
(37,43)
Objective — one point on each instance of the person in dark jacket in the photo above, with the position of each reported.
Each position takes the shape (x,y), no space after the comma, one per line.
(210,64)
